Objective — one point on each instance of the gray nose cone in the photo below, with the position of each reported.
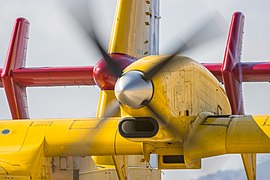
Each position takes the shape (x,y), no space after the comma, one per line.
(132,90)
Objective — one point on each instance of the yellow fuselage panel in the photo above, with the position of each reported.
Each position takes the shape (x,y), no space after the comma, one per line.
(131,28)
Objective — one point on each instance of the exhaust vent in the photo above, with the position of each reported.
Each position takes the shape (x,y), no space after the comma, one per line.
(138,127)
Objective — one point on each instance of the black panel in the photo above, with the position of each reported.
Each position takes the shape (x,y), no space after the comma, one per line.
(173,159)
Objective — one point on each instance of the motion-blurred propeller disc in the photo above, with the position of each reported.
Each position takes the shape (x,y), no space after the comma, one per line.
(133,88)
(208,31)
(113,66)
(112,109)
(81,14)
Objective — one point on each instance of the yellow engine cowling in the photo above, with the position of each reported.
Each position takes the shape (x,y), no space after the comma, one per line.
(182,89)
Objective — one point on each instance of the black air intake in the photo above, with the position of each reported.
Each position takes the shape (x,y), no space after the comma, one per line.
(141,127)
(173,159)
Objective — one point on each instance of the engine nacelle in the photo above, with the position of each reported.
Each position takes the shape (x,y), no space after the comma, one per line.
(182,87)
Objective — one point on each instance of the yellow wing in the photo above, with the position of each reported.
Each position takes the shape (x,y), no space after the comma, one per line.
(25,143)
(217,135)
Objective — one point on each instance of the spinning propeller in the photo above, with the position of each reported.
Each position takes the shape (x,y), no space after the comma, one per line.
(134,89)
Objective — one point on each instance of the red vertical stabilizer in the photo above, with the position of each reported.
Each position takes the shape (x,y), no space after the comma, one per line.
(16,56)
(231,73)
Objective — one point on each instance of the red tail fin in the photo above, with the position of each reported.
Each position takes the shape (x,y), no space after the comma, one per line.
(231,73)
(16,57)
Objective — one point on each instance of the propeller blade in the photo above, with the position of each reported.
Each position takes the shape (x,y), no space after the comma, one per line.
(151,72)
(80,13)
(112,108)
(163,122)
(208,31)
(113,66)
(212,28)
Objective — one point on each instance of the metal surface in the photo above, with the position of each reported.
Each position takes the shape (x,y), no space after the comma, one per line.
(102,74)
(54,76)
(83,75)
(175,88)
(16,56)
(230,68)
(132,90)
(154,27)
(131,35)
(20,149)
(230,134)
(251,71)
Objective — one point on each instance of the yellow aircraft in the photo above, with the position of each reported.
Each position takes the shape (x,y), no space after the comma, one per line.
(167,105)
